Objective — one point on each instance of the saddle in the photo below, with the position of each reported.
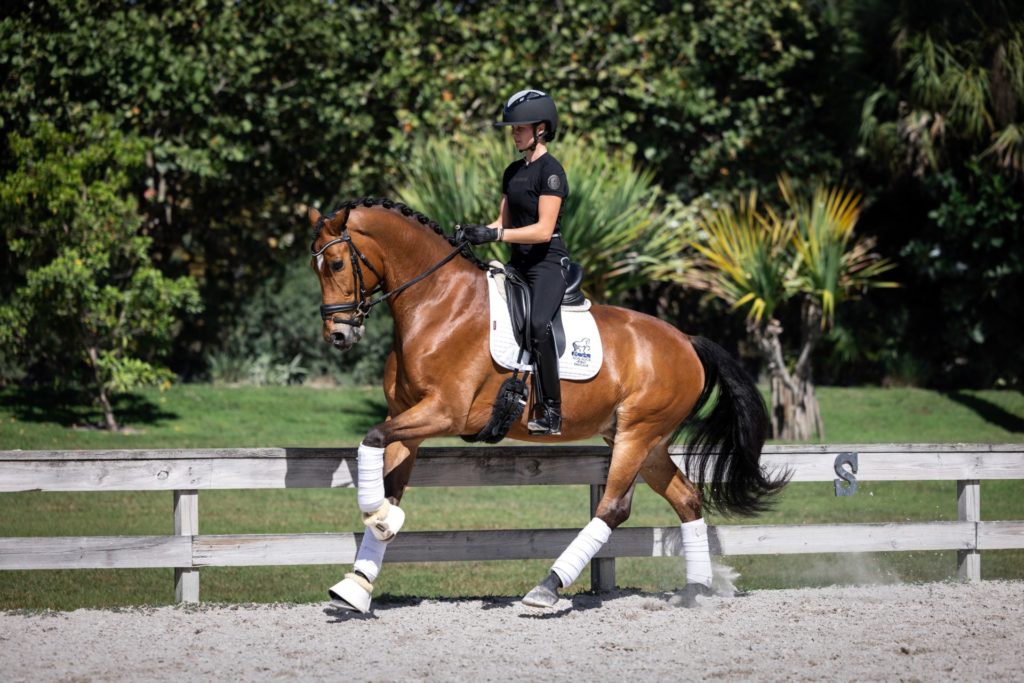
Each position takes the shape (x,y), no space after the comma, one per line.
(511,399)
(517,296)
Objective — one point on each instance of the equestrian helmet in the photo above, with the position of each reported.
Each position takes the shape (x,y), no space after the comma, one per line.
(531,106)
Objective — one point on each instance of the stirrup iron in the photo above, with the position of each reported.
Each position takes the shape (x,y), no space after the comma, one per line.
(550,423)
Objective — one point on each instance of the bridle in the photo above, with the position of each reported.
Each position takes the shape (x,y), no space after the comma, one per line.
(365,304)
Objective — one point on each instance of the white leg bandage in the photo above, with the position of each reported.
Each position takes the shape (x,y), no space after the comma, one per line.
(696,553)
(583,548)
(370,468)
(370,557)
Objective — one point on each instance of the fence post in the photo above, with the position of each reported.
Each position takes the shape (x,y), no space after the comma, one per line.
(602,570)
(968,509)
(186,523)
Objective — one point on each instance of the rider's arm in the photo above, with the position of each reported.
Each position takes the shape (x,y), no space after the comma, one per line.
(541,231)
(502,221)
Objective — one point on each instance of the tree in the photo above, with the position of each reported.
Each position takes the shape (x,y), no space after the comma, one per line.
(253,110)
(942,138)
(88,307)
(761,260)
(956,90)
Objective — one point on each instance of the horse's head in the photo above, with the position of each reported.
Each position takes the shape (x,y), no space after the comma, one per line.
(347,278)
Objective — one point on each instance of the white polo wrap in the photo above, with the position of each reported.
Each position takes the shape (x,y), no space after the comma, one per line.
(370,468)
(370,557)
(696,553)
(583,548)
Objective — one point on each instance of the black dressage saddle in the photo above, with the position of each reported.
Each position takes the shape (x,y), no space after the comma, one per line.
(512,396)
(517,295)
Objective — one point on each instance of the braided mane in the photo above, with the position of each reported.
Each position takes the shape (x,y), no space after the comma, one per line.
(407,211)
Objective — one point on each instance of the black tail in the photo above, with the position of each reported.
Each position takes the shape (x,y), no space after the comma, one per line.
(735,431)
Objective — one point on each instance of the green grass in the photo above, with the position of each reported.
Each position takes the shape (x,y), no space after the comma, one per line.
(206,416)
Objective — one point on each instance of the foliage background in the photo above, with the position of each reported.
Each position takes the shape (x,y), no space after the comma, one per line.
(251,111)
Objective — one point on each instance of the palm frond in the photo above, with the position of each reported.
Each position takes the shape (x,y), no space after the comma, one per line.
(744,256)
(1008,147)
(830,267)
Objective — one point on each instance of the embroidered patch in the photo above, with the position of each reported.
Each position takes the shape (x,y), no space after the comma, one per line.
(554,182)
(581,352)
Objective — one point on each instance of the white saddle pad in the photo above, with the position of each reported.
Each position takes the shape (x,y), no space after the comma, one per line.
(582,357)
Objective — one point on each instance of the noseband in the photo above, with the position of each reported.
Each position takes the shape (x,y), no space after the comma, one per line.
(365,303)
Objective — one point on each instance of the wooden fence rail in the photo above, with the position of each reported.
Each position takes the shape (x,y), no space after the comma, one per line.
(186,472)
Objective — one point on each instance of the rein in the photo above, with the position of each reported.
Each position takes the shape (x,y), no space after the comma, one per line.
(365,304)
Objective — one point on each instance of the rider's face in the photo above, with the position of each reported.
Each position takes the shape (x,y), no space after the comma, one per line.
(522,134)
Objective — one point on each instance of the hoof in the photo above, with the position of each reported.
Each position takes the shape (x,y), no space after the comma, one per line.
(545,594)
(385,522)
(687,597)
(351,593)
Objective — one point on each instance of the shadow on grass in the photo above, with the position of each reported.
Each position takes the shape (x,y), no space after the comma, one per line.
(367,413)
(313,467)
(990,412)
(72,408)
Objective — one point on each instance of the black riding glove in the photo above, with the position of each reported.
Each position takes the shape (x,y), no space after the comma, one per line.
(477,234)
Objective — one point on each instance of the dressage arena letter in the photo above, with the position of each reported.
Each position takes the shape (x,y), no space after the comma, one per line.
(851,481)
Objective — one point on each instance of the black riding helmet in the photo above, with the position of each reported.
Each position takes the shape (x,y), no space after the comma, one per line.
(531,106)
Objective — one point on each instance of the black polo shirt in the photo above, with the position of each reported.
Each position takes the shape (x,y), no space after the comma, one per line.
(524,184)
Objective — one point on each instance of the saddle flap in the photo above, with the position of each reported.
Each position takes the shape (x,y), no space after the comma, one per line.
(517,295)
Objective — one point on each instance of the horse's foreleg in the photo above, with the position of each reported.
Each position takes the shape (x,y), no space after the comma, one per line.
(355,590)
(662,475)
(384,464)
(423,420)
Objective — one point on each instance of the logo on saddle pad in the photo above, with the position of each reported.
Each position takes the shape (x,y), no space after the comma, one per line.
(581,351)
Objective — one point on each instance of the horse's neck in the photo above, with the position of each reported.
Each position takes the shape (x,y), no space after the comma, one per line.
(457,287)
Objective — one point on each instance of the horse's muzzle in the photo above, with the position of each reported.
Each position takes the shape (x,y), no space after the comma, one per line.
(342,336)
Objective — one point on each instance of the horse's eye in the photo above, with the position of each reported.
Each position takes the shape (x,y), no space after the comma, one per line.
(337,265)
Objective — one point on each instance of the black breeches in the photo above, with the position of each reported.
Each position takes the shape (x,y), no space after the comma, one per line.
(547,287)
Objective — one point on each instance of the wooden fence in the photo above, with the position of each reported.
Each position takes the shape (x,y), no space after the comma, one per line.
(186,472)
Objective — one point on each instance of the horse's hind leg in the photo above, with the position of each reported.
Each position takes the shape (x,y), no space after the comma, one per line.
(628,452)
(662,475)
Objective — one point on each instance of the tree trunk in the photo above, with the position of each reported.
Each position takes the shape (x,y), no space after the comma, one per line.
(108,410)
(794,414)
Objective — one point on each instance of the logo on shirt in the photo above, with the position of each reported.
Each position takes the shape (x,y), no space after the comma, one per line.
(554,182)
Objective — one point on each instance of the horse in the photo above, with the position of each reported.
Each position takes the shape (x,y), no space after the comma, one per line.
(439,380)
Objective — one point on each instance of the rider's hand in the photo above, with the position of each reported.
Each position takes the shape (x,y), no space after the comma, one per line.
(478,234)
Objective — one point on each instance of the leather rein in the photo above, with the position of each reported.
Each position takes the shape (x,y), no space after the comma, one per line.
(365,304)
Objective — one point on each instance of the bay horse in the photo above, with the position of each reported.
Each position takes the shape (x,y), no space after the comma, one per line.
(440,380)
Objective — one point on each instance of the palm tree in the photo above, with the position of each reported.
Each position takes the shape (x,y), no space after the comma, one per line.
(958,89)
(758,260)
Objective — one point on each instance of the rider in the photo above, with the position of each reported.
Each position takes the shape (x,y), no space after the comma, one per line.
(534,190)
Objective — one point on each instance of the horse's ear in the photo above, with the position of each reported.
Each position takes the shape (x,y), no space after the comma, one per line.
(337,221)
(314,216)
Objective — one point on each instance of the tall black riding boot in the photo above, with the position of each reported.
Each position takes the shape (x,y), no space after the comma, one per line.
(548,418)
